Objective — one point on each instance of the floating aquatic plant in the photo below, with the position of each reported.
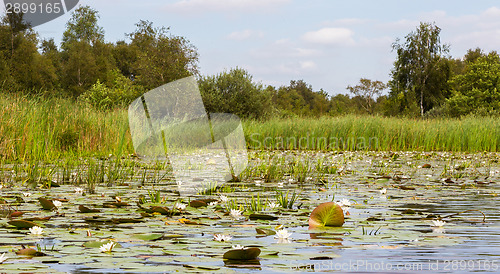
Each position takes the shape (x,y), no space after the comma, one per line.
(108,247)
(222,238)
(36,231)
(325,215)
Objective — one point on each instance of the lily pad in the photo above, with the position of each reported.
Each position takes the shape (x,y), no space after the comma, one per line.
(149,237)
(22,224)
(160,209)
(198,203)
(262,217)
(30,252)
(265,231)
(242,254)
(84,209)
(46,204)
(99,243)
(326,214)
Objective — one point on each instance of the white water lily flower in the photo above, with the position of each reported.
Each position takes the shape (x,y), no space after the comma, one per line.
(273,205)
(383,191)
(214,203)
(223,198)
(282,234)
(36,230)
(107,247)
(222,238)
(238,247)
(3,258)
(179,183)
(438,223)
(78,190)
(180,206)
(344,202)
(57,203)
(26,194)
(235,213)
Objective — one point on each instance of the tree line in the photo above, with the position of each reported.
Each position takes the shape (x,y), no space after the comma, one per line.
(425,80)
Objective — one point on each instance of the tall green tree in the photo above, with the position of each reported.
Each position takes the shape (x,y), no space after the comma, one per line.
(161,57)
(368,90)
(22,68)
(83,27)
(421,70)
(477,90)
(85,56)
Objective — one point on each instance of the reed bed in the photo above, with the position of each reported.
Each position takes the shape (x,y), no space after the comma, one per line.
(40,128)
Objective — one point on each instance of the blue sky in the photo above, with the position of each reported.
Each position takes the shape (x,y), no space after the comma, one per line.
(329,44)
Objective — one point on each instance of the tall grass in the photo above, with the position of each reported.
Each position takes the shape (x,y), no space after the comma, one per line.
(352,132)
(39,128)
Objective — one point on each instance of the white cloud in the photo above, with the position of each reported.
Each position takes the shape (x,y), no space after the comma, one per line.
(493,11)
(346,22)
(196,6)
(245,34)
(308,65)
(330,36)
(284,48)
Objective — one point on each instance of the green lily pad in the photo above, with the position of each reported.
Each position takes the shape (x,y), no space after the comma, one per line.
(99,243)
(326,214)
(265,231)
(242,254)
(149,237)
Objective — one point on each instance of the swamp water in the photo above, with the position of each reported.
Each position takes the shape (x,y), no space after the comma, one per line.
(391,232)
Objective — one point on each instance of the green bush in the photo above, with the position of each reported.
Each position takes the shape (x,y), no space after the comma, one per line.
(119,92)
(235,92)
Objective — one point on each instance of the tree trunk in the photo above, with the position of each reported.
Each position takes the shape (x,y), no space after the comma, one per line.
(422,103)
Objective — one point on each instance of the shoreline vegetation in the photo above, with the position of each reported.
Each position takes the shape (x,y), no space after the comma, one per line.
(45,129)
(69,100)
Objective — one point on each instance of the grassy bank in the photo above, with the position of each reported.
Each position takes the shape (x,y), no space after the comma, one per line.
(44,129)
(376,133)
(37,128)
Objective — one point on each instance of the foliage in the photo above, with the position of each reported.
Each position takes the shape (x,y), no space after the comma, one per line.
(327,214)
(286,200)
(119,94)
(234,92)
(159,57)
(477,90)
(421,72)
(299,99)
(367,90)
(82,27)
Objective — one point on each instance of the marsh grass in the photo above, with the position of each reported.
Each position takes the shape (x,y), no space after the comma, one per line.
(255,204)
(286,200)
(37,128)
(350,132)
